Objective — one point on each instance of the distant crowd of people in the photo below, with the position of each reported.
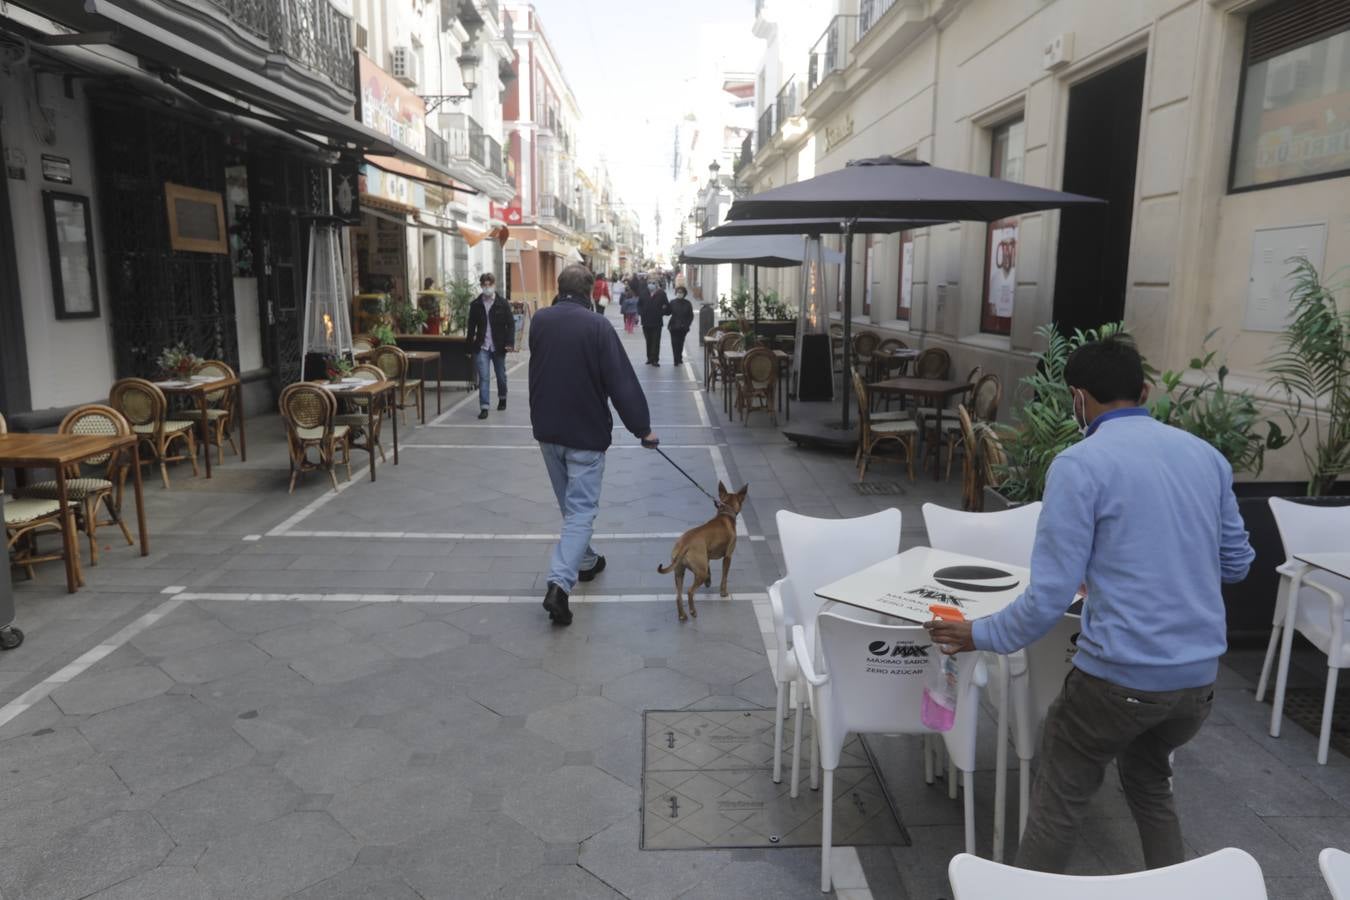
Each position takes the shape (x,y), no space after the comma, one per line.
(643,299)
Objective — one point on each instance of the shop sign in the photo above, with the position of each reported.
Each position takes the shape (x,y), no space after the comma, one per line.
(1003,268)
(385,185)
(390,108)
(347,188)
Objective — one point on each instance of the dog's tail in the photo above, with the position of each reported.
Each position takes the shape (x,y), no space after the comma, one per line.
(675,561)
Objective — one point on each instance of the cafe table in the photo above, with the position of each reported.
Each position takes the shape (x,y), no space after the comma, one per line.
(379,394)
(195,389)
(883,358)
(421,357)
(58,452)
(936,389)
(1334,563)
(784,378)
(907,584)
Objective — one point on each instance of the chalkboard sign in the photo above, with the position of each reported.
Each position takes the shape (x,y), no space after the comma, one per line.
(196,219)
(70,250)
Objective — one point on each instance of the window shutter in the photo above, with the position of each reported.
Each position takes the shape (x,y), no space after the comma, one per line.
(1285,26)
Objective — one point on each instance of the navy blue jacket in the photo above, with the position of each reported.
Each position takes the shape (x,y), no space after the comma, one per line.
(577,368)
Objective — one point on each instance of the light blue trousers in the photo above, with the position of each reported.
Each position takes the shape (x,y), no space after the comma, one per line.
(485,362)
(576,476)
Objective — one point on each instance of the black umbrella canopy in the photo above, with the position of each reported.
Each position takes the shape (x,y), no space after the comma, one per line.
(770,252)
(818,226)
(886,187)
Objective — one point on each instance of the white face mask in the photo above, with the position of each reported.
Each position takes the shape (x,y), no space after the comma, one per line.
(1080,418)
(651,285)
(489,290)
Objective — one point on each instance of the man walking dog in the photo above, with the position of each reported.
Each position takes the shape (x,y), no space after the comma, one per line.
(577,368)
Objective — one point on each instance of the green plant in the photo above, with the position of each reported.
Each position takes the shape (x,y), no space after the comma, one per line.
(383,333)
(338,367)
(1313,369)
(1228,420)
(462,294)
(737,305)
(771,306)
(409,317)
(1044,424)
(176,360)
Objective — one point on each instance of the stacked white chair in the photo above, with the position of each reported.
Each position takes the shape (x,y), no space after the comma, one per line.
(1335,865)
(1229,873)
(1318,601)
(849,697)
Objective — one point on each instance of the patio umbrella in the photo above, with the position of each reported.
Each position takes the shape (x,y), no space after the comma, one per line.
(772,252)
(745,227)
(896,188)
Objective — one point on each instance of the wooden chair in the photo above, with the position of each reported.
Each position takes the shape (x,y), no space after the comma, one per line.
(837,346)
(758,380)
(362,343)
(933,363)
(394,363)
(356,419)
(723,369)
(220,410)
(972,499)
(105,485)
(308,412)
(709,355)
(893,368)
(981,409)
(923,413)
(992,459)
(25,519)
(871,435)
(143,405)
(865,344)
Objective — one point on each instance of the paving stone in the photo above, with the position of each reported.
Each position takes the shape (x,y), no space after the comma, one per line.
(591,662)
(566,882)
(31,756)
(377,618)
(343,760)
(277,859)
(37,809)
(84,859)
(422,639)
(305,638)
(220,806)
(166,639)
(339,664)
(614,857)
(655,689)
(214,662)
(770,878)
(430,728)
(400,806)
(570,804)
(175,883)
(473,856)
(501,761)
(361,882)
(585,723)
(719,663)
(521,692)
(284,730)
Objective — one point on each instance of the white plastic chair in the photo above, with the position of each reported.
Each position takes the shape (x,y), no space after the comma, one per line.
(849,697)
(1006,536)
(1335,866)
(1229,873)
(1310,601)
(816,552)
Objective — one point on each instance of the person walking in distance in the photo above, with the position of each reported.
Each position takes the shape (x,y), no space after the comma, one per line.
(578,367)
(628,305)
(1144,515)
(600,294)
(653,307)
(681,320)
(491,334)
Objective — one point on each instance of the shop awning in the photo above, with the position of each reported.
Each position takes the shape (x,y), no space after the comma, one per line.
(471,237)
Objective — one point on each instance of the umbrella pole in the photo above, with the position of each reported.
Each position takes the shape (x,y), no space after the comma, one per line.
(755,332)
(847,307)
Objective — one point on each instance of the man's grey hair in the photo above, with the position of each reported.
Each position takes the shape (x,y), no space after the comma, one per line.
(576,279)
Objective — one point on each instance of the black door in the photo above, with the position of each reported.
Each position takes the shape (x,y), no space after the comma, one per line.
(1100,159)
(14,388)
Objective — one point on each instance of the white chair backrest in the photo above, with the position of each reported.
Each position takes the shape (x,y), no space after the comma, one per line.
(876,679)
(1335,865)
(1229,873)
(1310,529)
(818,551)
(1006,536)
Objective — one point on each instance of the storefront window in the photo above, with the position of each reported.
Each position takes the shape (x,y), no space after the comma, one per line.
(1000,254)
(1294,115)
(904,296)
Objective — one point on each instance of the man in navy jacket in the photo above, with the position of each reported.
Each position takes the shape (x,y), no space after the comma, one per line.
(577,368)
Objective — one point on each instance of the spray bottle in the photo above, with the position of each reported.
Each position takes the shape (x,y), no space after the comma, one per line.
(940,689)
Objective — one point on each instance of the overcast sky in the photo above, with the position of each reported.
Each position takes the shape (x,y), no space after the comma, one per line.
(625,62)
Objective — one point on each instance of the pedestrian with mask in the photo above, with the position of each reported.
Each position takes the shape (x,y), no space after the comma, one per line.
(578,367)
(653,307)
(681,320)
(491,334)
(628,305)
(1144,515)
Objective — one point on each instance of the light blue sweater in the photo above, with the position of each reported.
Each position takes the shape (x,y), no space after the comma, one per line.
(1144,514)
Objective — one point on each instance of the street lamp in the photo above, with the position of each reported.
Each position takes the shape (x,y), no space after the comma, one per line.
(468,73)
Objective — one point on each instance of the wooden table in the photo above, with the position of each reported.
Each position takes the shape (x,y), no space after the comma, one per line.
(784,378)
(198,387)
(935,389)
(57,452)
(422,357)
(374,392)
(889,355)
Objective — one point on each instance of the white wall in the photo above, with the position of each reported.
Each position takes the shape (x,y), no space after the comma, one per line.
(69,361)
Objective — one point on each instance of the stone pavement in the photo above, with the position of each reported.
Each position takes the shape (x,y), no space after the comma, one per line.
(357,695)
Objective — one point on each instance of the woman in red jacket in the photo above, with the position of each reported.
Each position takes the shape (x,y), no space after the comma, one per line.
(600,294)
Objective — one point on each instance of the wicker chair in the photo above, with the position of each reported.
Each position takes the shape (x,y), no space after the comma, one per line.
(893,367)
(972,499)
(362,343)
(990,460)
(837,346)
(758,381)
(933,363)
(143,405)
(928,412)
(865,344)
(394,363)
(220,410)
(723,370)
(871,435)
(25,519)
(104,487)
(308,412)
(356,419)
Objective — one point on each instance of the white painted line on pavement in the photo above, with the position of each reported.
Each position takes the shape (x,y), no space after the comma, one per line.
(689,370)
(453,598)
(473,395)
(720,467)
(699,404)
(479,536)
(253,537)
(37,692)
(309,508)
(476,425)
(536,447)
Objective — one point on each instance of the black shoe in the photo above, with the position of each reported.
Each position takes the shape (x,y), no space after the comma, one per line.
(501,404)
(555,601)
(482,413)
(656,362)
(593,571)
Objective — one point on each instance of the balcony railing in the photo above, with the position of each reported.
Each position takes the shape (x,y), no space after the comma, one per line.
(767,126)
(311,33)
(491,12)
(494,158)
(870,13)
(548,206)
(746,156)
(438,148)
(788,104)
(477,145)
(833,51)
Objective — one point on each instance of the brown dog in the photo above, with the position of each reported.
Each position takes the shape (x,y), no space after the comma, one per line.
(697,547)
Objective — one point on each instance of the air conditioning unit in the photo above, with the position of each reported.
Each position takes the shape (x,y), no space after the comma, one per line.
(407,67)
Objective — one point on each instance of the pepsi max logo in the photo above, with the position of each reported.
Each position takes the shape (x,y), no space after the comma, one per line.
(976,579)
(907,651)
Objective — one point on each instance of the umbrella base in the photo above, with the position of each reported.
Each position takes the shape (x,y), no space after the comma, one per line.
(832,435)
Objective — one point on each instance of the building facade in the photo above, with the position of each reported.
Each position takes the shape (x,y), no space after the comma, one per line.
(1214,128)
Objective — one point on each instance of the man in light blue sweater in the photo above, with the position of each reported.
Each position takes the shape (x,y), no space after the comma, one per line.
(1144,515)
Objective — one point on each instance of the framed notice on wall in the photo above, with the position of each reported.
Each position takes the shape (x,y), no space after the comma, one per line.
(1003,268)
(196,219)
(70,249)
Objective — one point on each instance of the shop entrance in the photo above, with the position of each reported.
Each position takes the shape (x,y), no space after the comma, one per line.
(1100,159)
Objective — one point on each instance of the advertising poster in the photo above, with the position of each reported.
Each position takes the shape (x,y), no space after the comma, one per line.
(906,274)
(1003,268)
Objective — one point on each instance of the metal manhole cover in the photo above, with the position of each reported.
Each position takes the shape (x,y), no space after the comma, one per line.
(879,488)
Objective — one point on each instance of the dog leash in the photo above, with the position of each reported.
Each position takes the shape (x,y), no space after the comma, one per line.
(680,470)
